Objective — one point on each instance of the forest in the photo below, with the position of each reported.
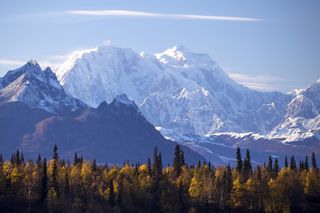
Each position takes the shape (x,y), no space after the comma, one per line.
(57,185)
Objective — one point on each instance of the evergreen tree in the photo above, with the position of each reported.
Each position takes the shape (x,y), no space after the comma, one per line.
(55,153)
(44,182)
(67,185)
(54,172)
(239,160)
(177,161)
(94,166)
(38,161)
(286,162)
(247,163)
(17,158)
(76,159)
(157,163)
(228,185)
(276,167)
(314,162)
(22,157)
(301,165)
(112,195)
(183,162)
(149,166)
(293,164)
(270,165)
(306,163)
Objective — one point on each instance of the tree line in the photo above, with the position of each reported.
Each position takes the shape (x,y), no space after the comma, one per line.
(57,185)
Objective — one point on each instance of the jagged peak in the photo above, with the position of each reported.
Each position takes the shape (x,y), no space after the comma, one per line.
(31,65)
(179,47)
(176,51)
(102,105)
(124,100)
(32,62)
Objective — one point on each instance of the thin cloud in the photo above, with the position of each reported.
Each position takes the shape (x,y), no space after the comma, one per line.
(132,13)
(9,62)
(50,61)
(259,82)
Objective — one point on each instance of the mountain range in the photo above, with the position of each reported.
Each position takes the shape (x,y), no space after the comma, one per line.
(186,95)
(36,114)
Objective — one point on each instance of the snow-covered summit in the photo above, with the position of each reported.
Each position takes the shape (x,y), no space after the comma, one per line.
(177,89)
(37,88)
(180,55)
(123,99)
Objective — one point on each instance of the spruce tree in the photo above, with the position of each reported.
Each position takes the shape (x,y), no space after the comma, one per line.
(306,163)
(44,182)
(177,161)
(314,161)
(54,171)
(229,179)
(286,162)
(276,167)
(17,158)
(76,159)
(112,196)
(293,164)
(239,160)
(157,163)
(55,153)
(38,161)
(247,167)
(270,165)
(22,157)
(67,185)
(183,162)
(149,167)
(301,165)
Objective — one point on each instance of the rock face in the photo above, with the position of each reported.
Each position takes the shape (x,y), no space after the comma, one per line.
(37,88)
(302,119)
(178,89)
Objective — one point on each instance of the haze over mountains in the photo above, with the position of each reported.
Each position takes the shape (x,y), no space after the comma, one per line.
(186,95)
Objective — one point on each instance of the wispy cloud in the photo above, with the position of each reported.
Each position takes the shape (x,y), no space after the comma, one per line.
(9,62)
(260,82)
(49,61)
(132,13)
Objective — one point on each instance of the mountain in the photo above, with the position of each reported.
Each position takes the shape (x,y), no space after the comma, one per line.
(177,89)
(37,88)
(193,101)
(111,133)
(302,119)
(16,119)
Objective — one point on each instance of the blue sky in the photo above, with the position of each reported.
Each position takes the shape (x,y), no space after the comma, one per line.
(267,45)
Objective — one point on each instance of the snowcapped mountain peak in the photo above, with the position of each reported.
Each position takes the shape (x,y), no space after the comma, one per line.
(181,56)
(177,89)
(123,99)
(37,88)
(31,66)
(174,56)
(177,50)
(32,63)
